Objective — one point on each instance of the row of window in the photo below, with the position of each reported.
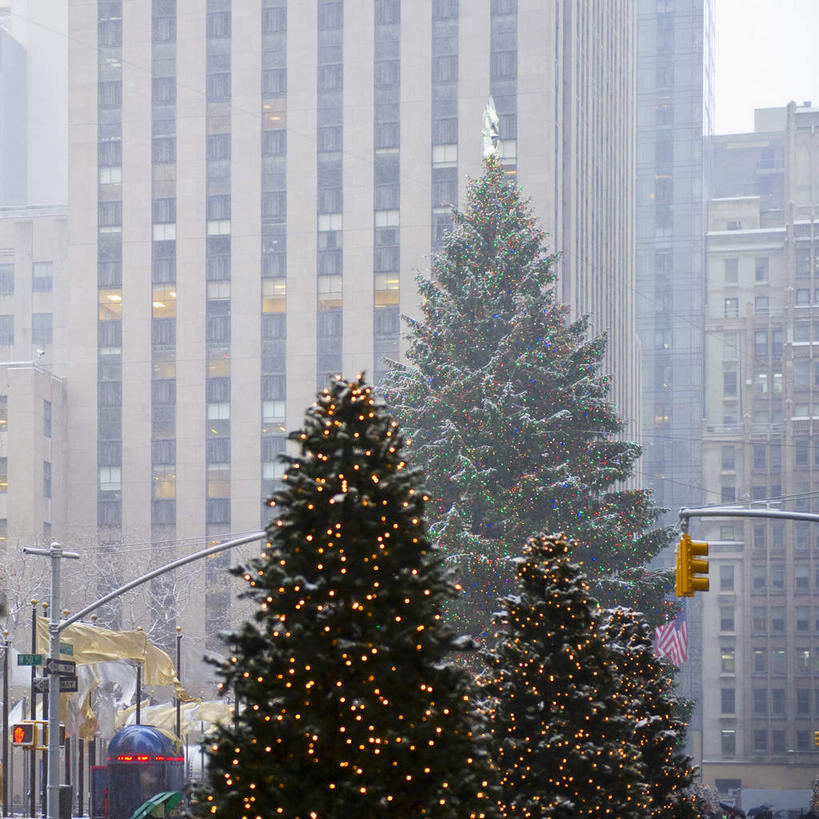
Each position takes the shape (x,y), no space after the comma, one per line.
(4,477)
(765,742)
(42,331)
(42,275)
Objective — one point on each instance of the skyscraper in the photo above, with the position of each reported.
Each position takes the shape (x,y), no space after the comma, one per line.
(252,189)
(760,653)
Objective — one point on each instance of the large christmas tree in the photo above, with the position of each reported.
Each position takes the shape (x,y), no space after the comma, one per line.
(506,409)
(646,695)
(564,745)
(348,706)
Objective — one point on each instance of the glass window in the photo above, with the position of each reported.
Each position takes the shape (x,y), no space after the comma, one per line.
(728,660)
(110,478)
(802,660)
(760,742)
(6,279)
(761,701)
(778,701)
(41,328)
(760,660)
(802,296)
(731,271)
(802,701)
(761,269)
(41,277)
(218,480)
(761,305)
(47,419)
(759,618)
(46,479)
(801,618)
(778,742)
(329,292)
(4,413)
(728,741)
(778,661)
(274,292)
(728,456)
(801,577)
(727,701)
(163,301)
(163,481)
(726,577)
(729,383)
(110,300)
(731,308)
(759,578)
(726,618)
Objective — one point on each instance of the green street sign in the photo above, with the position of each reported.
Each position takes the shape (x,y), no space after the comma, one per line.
(29,659)
(67,649)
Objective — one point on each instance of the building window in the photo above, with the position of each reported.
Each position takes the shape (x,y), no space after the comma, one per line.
(728,741)
(759,619)
(761,269)
(4,413)
(46,479)
(6,330)
(729,383)
(47,419)
(761,702)
(728,456)
(801,618)
(4,475)
(6,279)
(41,330)
(761,306)
(760,661)
(779,663)
(728,701)
(726,577)
(728,660)
(731,308)
(802,702)
(801,577)
(41,277)
(760,742)
(110,478)
(802,661)
(778,702)
(726,618)
(731,271)
(163,480)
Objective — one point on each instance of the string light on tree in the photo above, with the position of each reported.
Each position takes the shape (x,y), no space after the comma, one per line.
(508,413)
(349,705)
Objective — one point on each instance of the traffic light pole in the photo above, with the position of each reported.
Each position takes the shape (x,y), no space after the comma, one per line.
(55,627)
(738,512)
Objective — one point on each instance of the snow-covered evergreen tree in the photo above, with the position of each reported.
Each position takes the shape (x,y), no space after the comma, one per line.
(507,410)
(349,706)
(563,745)
(646,695)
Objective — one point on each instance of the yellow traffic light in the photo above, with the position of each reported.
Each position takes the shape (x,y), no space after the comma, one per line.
(690,566)
(816,738)
(24,734)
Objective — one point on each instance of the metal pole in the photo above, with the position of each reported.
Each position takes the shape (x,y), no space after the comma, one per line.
(6,766)
(32,782)
(179,677)
(138,716)
(55,627)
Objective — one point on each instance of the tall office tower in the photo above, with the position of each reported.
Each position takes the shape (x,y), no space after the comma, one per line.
(674,113)
(253,188)
(760,650)
(13,120)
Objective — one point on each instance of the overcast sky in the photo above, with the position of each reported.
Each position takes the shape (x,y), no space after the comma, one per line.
(766,54)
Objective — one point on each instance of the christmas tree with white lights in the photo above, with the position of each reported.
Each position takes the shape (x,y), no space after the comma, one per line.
(508,413)
(348,706)
(563,745)
(646,695)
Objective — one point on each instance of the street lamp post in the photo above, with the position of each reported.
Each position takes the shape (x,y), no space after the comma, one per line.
(6,767)
(179,677)
(56,553)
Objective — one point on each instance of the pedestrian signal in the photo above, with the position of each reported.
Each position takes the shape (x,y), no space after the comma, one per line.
(691,566)
(24,734)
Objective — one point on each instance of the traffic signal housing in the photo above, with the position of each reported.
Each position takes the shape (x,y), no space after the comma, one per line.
(24,734)
(816,738)
(691,566)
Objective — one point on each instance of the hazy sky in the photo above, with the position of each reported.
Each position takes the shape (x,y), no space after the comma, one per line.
(766,54)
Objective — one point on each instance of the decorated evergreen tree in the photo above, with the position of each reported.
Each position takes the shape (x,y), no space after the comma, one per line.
(563,744)
(507,411)
(646,696)
(348,706)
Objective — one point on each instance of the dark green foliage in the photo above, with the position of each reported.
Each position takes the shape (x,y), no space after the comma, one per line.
(564,746)
(645,694)
(507,411)
(350,708)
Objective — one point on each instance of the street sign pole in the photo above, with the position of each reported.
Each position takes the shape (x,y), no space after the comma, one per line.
(55,627)
(56,553)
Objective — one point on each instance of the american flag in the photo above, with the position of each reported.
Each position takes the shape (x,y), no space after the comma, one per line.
(671,640)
